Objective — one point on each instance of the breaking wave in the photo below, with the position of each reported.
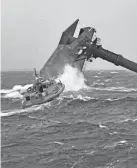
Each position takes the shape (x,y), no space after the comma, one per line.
(96,84)
(31,109)
(15,92)
(118,89)
(73,79)
(79,97)
(114,72)
(70,98)
(122,142)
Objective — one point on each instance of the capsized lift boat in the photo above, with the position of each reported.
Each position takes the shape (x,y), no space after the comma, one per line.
(75,51)
(42,91)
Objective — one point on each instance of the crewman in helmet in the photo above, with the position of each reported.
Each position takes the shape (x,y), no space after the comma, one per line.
(38,88)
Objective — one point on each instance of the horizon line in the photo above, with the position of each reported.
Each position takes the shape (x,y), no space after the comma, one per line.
(30,70)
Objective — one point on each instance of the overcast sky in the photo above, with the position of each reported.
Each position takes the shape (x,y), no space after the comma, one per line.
(31,29)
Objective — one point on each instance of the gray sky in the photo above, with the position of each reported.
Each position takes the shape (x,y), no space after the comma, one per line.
(31,29)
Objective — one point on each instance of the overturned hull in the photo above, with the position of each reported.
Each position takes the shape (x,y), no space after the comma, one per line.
(74,51)
(56,63)
(61,56)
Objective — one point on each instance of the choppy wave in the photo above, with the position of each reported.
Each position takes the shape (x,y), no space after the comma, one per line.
(97,84)
(119,89)
(79,97)
(15,92)
(108,80)
(96,129)
(27,110)
(70,98)
(114,72)
(72,78)
(100,72)
(122,142)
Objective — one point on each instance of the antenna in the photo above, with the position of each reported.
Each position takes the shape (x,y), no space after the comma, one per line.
(35,72)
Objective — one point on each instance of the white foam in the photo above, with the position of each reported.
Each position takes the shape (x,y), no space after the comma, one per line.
(98,84)
(129,119)
(79,97)
(116,143)
(121,142)
(4,91)
(102,126)
(13,95)
(113,72)
(60,143)
(72,78)
(15,92)
(84,98)
(18,111)
(120,89)
(108,80)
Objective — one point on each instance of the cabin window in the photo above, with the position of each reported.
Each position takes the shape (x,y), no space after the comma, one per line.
(44,86)
(27,98)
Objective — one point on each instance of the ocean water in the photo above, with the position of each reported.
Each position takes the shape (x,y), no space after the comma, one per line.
(93,126)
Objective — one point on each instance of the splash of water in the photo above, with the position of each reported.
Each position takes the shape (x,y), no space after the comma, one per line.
(15,92)
(73,79)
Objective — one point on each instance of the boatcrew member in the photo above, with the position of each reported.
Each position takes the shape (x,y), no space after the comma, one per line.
(35,85)
(40,91)
(38,87)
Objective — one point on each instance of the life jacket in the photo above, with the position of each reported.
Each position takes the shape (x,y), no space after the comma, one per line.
(40,88)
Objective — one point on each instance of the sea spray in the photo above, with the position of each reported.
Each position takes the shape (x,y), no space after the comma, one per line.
(15,92)
(72,78)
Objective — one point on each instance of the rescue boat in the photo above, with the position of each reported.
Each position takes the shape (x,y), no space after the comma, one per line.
(50,90)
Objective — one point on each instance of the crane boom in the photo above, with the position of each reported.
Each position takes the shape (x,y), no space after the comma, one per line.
(76,50)
(114,58)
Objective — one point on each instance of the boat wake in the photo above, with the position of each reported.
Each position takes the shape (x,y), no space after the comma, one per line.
(31,109)
(15,92)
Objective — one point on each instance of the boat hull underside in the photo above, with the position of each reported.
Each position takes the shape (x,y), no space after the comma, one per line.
(56,63)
